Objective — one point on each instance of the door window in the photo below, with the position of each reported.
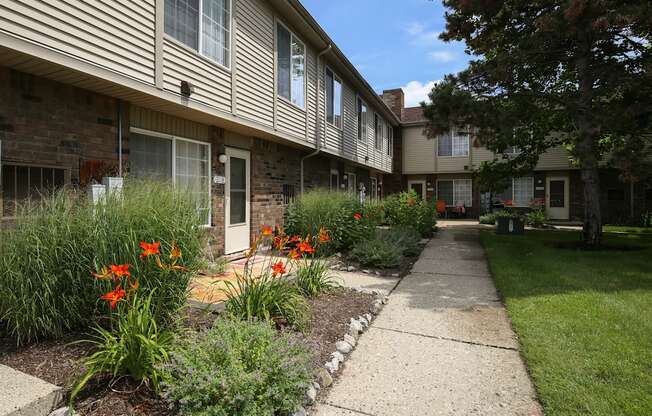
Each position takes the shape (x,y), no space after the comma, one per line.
(418,188)
(557,194)
(238,190)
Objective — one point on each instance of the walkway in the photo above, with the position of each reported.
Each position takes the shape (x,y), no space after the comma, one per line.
(443,345)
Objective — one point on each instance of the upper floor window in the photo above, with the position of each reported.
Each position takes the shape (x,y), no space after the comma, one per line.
(291,78)
(333,99)
(512,150)
(378,131)
(203,25)
(390,140)
(362,119)
(454,143)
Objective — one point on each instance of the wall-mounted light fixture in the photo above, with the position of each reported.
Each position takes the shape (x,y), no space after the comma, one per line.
(222,158)
(187,88)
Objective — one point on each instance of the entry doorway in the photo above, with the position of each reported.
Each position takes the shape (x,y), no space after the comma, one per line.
(419,186)
(237,194)
(557,198)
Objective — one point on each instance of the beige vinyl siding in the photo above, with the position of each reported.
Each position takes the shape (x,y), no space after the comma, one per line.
(479,155)
(147,119)
(290,119)
(350,146)
(554,158)
(311,94)
(418,151)
(212,83)
(114,35)
(254,61)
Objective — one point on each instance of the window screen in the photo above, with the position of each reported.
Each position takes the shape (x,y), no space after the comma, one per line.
(291,67)
(362,120)
(22,184)
(283,50)
(150,157)
(216,28)
(445,145)
(182,21)
(523,191)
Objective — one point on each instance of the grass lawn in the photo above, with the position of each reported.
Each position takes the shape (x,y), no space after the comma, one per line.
(626,229)
(584,319)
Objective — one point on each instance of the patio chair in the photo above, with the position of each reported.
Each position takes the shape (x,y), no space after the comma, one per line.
(441,208)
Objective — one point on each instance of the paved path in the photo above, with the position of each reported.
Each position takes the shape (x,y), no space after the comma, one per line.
(443,345)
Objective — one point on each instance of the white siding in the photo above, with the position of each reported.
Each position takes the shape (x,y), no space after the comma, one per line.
(418,151)
(115,35)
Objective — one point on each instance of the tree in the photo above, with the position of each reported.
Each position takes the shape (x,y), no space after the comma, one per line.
(633,159)
(547,73)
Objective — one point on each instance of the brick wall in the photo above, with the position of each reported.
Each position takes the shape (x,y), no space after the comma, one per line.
(395,100)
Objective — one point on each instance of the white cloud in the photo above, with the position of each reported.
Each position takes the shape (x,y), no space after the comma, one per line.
(442,56)
(421,35)
(416,91)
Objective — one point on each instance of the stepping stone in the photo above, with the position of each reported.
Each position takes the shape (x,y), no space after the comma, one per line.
(25,395)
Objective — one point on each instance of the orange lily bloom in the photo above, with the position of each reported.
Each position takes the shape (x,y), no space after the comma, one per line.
(267,230)
(324,237)
(295,239)
(120,270)
(294,254)
(305,247)
(357,216)
(278,269)
(114,296)
(149,249)
(102,274)
(175,252)
(280,242)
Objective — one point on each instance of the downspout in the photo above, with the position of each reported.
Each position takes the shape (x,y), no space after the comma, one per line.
(120,138)
(320,132)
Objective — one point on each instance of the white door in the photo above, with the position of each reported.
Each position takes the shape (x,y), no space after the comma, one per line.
(237,194)
(419,187)
(557,197)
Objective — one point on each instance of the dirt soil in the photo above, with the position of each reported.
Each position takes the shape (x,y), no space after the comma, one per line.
(57,361)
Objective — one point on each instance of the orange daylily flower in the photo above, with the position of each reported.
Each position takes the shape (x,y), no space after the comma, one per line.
(120,270)
(149,249)
(280,242)
(294,254)
(295,239)
(103,274)
(411,202)
(324,236)
(357,216)
(114,296)
(267,230)
(305,247)
(278,269)
(175,251)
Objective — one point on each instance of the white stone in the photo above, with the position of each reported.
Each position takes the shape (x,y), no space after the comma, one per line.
(338,356)
(350,339)
(62,411)
(350,269)
(368,317)
(333,365)
(365,271)
(343,347)
(363,321)
(311,395)
(300,412)
(355,328)
(324,377)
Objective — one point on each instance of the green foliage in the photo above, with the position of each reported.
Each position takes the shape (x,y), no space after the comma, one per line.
(333,210)
(488,218)
(45,283)
(314,277)
(374,211)
(378,252)
(136,348)
(266,298)
(536,218)
(407,209)
(405,237)
(238,368)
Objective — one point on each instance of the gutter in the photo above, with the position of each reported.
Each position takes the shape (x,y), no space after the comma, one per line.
(321,133)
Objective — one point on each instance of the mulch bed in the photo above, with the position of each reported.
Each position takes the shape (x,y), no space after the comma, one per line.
(57,361)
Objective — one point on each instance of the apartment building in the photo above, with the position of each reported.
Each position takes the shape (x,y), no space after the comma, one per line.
(442,169)
(246,102)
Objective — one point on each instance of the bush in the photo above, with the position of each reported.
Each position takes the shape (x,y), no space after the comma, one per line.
(374,211)
(406,208)
(45,285)
(407,238)
(378,252)
(137,348)
(238,368)
(335,211)
(535,218)
(314,277)
(488,218)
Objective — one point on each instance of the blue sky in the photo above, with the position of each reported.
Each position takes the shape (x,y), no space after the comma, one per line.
(393,43)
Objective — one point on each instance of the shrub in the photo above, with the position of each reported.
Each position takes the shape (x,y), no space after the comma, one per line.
(238,368)
(378,252)
(374,211)
(137,348)
(45,286)
(488,218)
(407,209)
(314,277)
(535,218)
(335,211)
(407,238)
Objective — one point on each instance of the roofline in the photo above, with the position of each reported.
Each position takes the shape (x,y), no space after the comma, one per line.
(340,55)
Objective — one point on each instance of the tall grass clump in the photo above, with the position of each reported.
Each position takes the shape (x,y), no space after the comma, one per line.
(335,211)
(46,286)
(407,209)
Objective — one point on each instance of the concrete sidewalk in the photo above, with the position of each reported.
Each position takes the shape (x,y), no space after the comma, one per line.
(443,345)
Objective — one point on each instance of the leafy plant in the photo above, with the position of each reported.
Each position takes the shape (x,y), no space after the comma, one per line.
(45,287)
(536,218)
(137,347)
(238,368)
(489,218)
(407,209)
(378,252)
(374,211)
(405,237)
(314,277)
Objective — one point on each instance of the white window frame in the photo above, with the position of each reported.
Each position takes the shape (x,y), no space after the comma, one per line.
(198,51)
(293,36)
(373,192)
(455,199)
(362,119)
(339,79)
(379,128)
(390,140)
(174,140)
(527,204)
(353,189)
(452,133)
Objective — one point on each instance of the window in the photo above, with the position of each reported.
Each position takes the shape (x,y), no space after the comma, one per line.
(185,162)
(455,190)
(373,192)
(454,144)
(378,131)
(203,25)
(521,192)
(390,140)
(615,194)
(291,78)
(362,119)
(512,151)
(335,180)
(350,181)
(288,193)
(27,183)
(333,99)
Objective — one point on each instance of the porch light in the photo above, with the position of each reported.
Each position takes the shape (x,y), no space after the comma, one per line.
(222,158)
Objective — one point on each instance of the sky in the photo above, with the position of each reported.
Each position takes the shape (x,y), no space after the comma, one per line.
(393,43)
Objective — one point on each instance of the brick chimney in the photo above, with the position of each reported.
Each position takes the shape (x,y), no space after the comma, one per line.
(395,100)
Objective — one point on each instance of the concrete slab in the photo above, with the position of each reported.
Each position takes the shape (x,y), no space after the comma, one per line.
(25,395)
(366,282)
(394,374)
(452,265)
(328,410)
